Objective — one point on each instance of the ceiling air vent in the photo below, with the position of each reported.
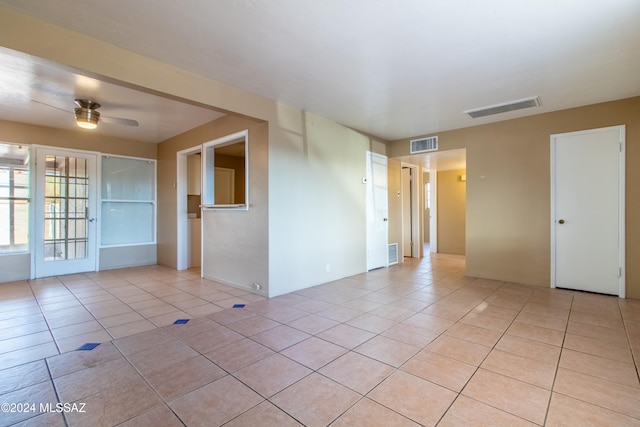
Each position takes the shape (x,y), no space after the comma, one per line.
(503,108)
(424,144)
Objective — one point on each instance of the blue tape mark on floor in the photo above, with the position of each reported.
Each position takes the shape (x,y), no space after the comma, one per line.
(88,346)
(180,321)
(238,305)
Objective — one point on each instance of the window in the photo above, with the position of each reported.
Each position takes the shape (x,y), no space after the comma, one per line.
(226,172)
(128,201)
(14,198)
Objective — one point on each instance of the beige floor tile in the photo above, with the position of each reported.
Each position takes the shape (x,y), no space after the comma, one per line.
(615,336)
(203,310)
(115,405)
(184,376)
(215,403)
(488,322)
(251,325)
(339,314)
(169,318)
(158,358)
(545,322)
(536,333)
(25,341)
(611,370)
(419,400)
(521,368)
(132,328)
(410,334)
(120,319)
(73,342)
(358,372)
(487,309)
(74,361)
(468,412)
(536,350)
(346,336)
(566,411)
(313,324)
(618,352)
(209,340)
(315,400)
(41,393)
(368,413)
(600,392)
(510,395)
(49,419)
(159,415)
(85,382)
(22,376)
(280,337)
(372,323)
(272,374)
(314,353)
(238,354)
(264,415)
(461,350)
(387,350)
(441,370)
(77,329)
(24,329)
(432,323)
(143,340)
(476,334)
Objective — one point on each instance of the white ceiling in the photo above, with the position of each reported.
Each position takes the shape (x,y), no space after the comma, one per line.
(393,69)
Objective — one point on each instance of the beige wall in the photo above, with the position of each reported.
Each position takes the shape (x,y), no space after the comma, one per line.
(508,189)
(23,133)
(235,242)
(451,212)
(316,204)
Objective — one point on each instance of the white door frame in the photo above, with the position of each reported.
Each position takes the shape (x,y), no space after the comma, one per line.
(433,211)
(182,218)
(416,227)
(37,210)
(621,206)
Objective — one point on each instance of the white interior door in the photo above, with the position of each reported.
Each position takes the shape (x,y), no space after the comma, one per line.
(587,208)
(377,211)
(66,212)
(407,211)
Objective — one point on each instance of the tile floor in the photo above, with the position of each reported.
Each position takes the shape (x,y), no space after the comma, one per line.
(415,344)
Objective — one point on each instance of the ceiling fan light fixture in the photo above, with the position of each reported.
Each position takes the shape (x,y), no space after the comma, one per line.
(86,114)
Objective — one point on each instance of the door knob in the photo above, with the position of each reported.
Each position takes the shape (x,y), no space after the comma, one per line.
(561,221)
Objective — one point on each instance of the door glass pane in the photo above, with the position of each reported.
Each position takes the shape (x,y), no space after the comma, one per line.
(65,208)
(14,198)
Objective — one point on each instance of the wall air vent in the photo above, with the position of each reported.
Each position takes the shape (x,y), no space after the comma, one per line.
(424,144)
(393,253)
(503,108)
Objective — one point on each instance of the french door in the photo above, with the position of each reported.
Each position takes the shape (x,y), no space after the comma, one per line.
(65,212)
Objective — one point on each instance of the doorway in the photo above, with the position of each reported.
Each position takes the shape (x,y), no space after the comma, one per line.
(587,210)
(411,229)
(66,212)
(189,221)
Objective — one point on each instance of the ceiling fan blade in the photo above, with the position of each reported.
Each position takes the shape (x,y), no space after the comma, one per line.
(118,121)
(49,105)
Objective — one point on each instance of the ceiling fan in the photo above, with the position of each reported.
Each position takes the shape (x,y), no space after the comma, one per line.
(87,115)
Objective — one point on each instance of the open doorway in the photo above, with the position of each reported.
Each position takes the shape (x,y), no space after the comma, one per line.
(189,200)
(411,218)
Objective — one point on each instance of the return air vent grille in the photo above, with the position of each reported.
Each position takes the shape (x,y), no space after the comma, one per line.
(503,108)
(424,144)
(393,253)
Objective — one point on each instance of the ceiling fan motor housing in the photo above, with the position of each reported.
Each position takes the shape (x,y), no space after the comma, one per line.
(87,112)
